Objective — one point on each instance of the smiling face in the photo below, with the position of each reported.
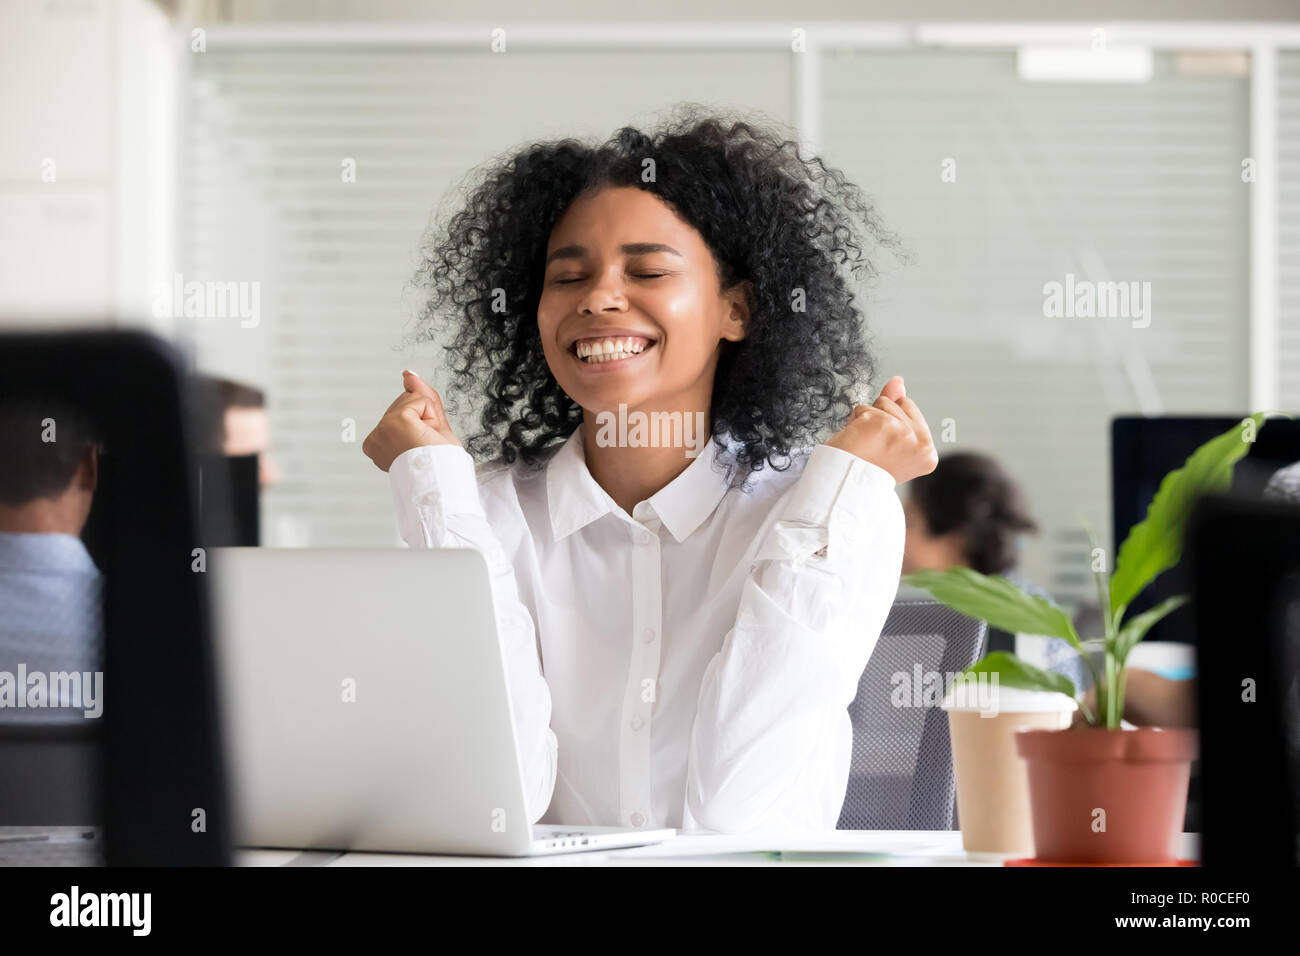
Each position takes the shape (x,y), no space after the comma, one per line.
(631,309)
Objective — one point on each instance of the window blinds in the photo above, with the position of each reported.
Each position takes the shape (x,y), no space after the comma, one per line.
(998,187)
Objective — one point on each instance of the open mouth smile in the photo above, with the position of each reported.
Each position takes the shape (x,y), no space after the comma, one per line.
(607,351)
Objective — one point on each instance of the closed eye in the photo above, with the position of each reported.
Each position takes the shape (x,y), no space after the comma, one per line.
(638,275)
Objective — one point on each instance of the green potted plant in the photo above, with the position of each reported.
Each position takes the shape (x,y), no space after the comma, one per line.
(1100,794)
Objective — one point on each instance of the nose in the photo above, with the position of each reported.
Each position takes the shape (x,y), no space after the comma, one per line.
(605,296)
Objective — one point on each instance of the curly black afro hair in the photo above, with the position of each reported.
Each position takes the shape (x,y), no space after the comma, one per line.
(793,227)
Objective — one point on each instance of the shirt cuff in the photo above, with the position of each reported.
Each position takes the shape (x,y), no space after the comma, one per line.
(430,483)
(829,507)
(437,476)
(830,473)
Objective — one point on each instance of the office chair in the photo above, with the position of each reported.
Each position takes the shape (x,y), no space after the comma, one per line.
(49,779)
(143,771)
(49,773)
(901,776)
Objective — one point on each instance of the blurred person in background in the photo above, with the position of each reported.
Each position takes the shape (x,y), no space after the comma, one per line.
(966,512)
(969,512)
(234,422)
(50,589)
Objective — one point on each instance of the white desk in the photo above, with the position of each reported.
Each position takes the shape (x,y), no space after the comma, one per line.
(840,848)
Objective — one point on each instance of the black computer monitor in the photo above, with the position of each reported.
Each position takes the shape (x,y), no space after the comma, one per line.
(1144,450)
(229,499)
(159,792)
(1244,557)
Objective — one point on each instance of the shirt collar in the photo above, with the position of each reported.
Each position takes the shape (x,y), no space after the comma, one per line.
(43,551)
(682,505)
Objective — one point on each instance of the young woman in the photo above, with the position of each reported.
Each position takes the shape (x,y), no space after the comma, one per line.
(684,625)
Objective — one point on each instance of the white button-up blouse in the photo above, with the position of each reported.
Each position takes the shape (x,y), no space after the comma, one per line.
(689,665)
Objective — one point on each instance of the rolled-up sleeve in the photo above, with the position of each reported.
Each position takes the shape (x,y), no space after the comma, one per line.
(772,739)
(437,503)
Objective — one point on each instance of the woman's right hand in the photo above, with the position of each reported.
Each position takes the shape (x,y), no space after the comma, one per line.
(415,418)
(891,434)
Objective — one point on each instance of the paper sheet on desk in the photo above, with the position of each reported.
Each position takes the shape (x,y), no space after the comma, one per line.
(848,842)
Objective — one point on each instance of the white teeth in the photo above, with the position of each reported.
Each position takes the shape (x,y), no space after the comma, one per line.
(606,350)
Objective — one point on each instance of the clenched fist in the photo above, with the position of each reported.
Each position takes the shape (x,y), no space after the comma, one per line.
(892,434)
(415,418)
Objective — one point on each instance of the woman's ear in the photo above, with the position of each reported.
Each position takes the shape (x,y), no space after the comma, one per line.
(736,326)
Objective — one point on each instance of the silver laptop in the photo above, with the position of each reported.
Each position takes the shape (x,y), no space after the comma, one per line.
(365,706)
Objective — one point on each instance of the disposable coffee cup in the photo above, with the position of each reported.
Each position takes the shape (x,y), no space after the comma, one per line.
(992,782)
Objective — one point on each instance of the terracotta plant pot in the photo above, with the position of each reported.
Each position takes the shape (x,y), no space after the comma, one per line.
(1107,796)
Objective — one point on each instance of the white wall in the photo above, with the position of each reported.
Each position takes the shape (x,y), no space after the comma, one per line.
(84,161)
(145,161)
(56,160)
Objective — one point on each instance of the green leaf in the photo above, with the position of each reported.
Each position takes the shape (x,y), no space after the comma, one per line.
(1155,543)
(1014,672)
(1101,577)
(1136,629)
(994,599)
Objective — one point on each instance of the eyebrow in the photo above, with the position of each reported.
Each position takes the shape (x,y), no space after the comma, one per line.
(630,249)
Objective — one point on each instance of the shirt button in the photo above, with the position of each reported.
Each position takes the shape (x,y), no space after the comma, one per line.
(644,537)
(638,819)
(648,635)
(636,723)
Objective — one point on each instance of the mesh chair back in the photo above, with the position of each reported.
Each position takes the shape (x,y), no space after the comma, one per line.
(901,774)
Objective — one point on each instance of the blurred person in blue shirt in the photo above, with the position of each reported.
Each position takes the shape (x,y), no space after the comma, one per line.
(50,588)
